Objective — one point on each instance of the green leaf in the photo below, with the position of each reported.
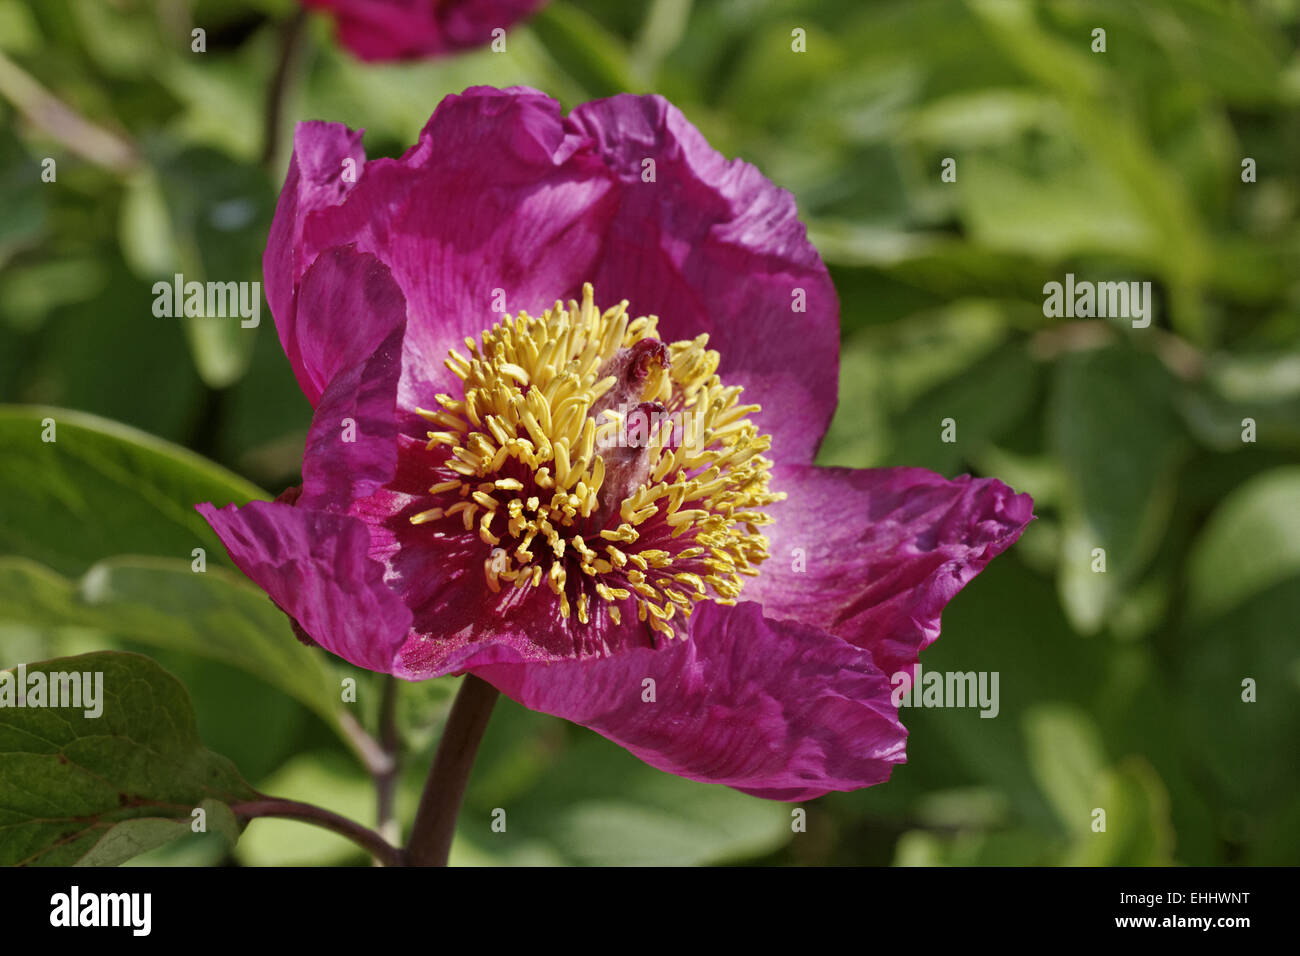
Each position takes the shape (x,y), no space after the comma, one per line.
(901,382)
(118,368)
(102,489)
(1250,543)
(1067,758)
(596,58)
(144,229)
(131,838)
(220,211)
(661,30)
(221,97)
(981,117)
(1040,662)
(24,201)
(859,435)
(240,714)
(771,82)
(1264,388)
(392,101)
(123,41)
(69,781)
(18,30)
(1239,707)
(983,403)
(1138,829)
(1120,447)
(265,418)
(215,614)
(1157,216)
(1071,207)
(31,292)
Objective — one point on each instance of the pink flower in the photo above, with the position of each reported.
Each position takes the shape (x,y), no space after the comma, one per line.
(411,29)
(609,511)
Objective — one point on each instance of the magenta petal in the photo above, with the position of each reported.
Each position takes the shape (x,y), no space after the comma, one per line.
(505,205)
(347,305)
(352,444)
(874,555)
(354,319)
(316,567)
(405,29)
(494,210)
(319,176)
(780,709)
(712,246)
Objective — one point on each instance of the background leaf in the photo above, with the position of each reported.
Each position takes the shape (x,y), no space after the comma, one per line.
(102,489)
(1119,445)
(69,781)
(165,604)
(1250,543)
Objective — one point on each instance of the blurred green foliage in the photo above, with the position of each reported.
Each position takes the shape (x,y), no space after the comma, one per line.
(1120,689)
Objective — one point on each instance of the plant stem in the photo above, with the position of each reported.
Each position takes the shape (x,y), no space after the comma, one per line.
(368,750)
(364,837)
(386,779)
(279,89)
(444,790)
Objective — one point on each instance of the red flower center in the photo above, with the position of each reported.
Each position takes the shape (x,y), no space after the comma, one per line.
(593,457)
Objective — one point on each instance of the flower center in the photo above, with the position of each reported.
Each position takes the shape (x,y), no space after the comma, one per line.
(589,455)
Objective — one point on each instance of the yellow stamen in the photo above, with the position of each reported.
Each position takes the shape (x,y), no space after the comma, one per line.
(530,439)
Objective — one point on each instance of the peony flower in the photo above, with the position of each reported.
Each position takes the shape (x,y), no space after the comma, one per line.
(605,506)
(411,29)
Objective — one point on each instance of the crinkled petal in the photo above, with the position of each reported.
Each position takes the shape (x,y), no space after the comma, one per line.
(495,210)
(316,567)
(377,30)
(779,709)
(319,176)
(874,555)
(358,318)
(710,245)
(352,443)
(348,304)
(505,205)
